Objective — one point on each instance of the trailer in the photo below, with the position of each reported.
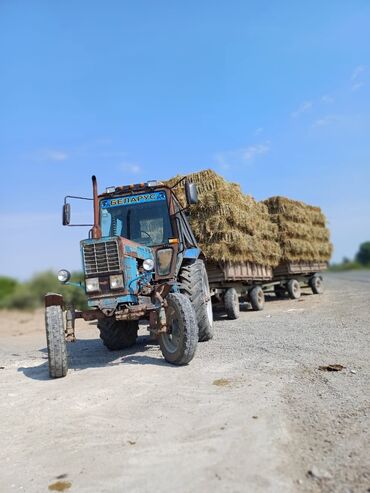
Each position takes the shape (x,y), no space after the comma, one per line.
(233,282)
(289,277)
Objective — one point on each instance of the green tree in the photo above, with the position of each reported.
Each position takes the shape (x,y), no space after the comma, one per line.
(7,286)
(363,254)
(30,295)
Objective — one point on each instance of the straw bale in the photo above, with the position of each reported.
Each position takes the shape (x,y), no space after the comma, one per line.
(229,225)
(303,234)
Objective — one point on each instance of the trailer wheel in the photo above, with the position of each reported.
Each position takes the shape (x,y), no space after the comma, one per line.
(194,284)
(118,334)
(257,298)
(294,289)
(179,343)
(56,342)
(316,284)
(231,301)
(280,291)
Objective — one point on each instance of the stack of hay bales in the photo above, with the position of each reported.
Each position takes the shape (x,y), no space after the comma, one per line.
(303,234)
(228,225)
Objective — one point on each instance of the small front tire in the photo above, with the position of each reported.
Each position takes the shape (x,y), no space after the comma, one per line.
(294,289)
(231,302)
(257,298)
(179,343)
(56,342)
(317,284)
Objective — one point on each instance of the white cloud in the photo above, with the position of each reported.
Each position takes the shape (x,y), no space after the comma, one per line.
(357,72)
(252,151)
(132,168)
(327,99)
(302,108)
(325,121)
(50,155)
(355,77)
(356,86)
(103,141)
(258,131)
(244,155)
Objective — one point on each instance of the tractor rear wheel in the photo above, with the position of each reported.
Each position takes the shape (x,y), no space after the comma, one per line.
(257,298)
(118,334)
(294,289)
(194,284)
(56,342)
(231,302)
(179,343)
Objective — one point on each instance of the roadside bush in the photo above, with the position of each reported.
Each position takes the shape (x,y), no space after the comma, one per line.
(7,286)
(363,254)
(350,265)
(30,295)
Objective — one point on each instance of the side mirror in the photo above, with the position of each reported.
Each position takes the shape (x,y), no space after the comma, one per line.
(191,193)
(66,214)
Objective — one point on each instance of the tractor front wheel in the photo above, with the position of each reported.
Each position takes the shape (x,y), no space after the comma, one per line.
(194,285)
(56,342)
(118,334)
(179,342)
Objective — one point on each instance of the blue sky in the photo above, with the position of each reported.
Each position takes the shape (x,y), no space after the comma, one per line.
(272,94)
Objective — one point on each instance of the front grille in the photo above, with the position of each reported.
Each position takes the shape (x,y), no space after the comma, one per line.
(101,257)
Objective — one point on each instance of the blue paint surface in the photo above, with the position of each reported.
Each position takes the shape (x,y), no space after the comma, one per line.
(192,253)
(132,199)
(140,251)
(112,302)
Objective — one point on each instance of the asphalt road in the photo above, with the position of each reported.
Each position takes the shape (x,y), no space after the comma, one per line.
(251,413)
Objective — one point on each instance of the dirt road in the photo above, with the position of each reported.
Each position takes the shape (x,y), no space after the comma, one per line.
(251,413)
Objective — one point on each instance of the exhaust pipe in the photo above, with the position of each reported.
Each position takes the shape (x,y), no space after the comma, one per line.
(96,231)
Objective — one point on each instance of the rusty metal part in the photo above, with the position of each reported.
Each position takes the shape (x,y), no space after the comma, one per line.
(134,312)
(163,290)
(52,299)
(89,315)
(96,231)
(152,321)
(70,325)
(161,326)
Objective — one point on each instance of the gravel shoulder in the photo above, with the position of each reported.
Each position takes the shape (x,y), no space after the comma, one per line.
(251,413)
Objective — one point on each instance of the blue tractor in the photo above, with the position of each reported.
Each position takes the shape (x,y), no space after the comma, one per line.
(141,261)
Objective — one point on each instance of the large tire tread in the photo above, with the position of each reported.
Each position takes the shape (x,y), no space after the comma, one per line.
(117,335)
(186,313)
(191,279)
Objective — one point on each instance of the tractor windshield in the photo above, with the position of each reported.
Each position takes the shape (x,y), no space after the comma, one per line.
(143,218)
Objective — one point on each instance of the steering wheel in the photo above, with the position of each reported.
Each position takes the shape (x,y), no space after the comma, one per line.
(148,235)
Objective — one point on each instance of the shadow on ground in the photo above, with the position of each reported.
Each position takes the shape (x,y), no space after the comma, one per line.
(91,353)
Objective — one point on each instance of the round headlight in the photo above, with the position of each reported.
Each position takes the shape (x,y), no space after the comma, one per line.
(148,264)
(64,275)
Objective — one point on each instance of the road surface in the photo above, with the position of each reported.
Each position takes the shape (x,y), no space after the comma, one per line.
(251,413)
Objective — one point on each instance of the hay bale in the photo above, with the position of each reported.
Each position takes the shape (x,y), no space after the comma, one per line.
(229,225)
(303,234)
